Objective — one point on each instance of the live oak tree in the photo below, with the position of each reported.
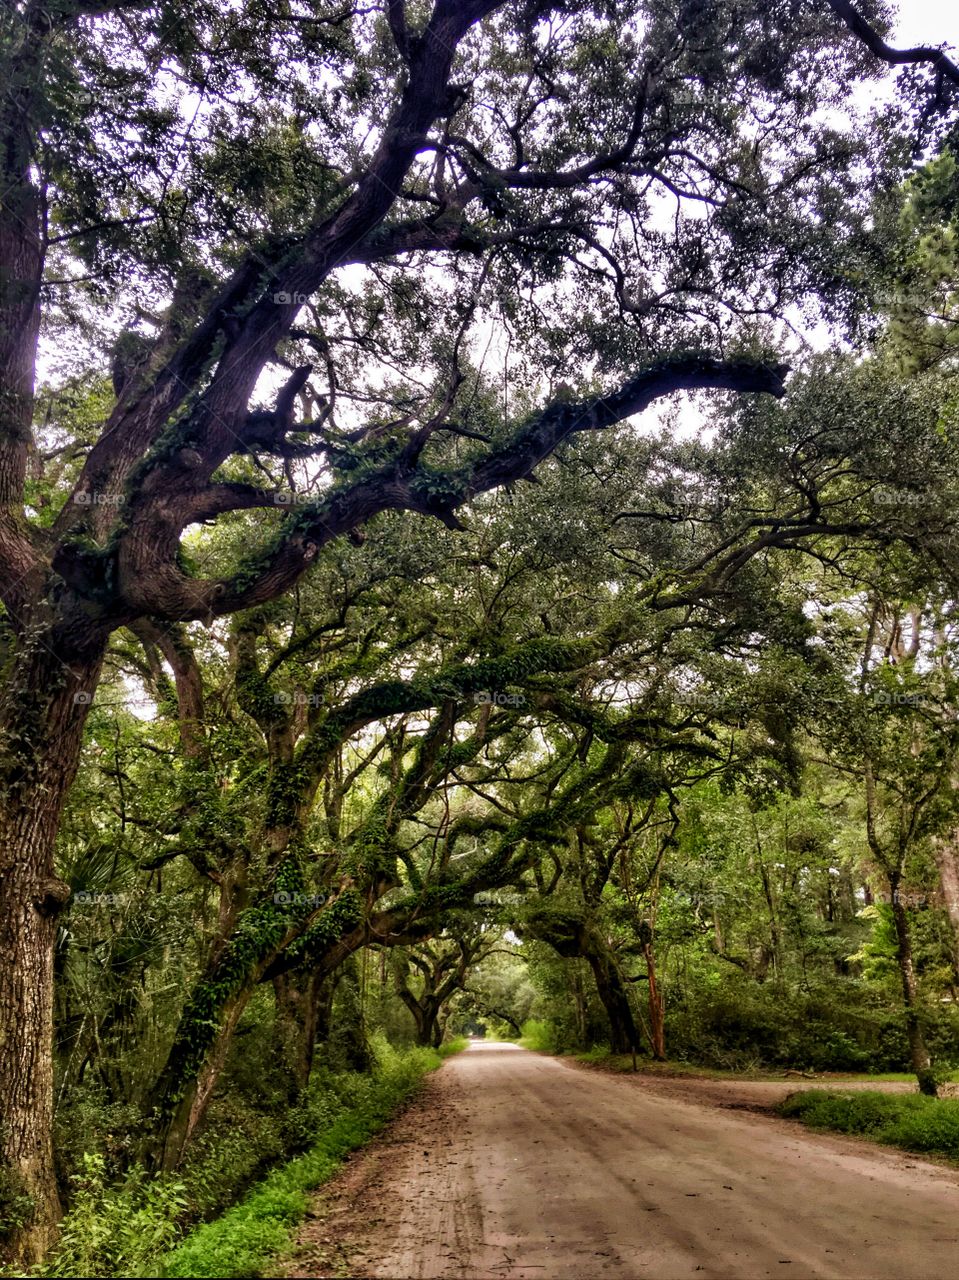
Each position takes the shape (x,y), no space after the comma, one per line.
(335,685)
(902,744)
(326,671)
(856,511)
(334,707)
(429,974)
(247,199)
(411,614)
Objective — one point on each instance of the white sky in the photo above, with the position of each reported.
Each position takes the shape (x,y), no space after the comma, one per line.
(927,22)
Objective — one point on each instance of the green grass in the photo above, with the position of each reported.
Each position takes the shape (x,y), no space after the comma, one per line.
(907,1120)
(452,1046)
(246,1239)
(601,1057)
(890,1077)
(624,1062)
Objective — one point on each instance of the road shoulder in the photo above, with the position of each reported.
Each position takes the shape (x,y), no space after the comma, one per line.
(344,1229)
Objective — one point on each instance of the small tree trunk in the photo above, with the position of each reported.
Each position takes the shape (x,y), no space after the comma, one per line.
(349,1026)
(210,1017)
(579,1004)
(417,1012)
(184,1090)
(298,999)
(657,1025)
(774,941)
(719,942)
(919,1054)
(946,852)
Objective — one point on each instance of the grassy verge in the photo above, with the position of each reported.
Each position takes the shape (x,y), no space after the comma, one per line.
(601,1057)
(248,1237)
(623,1062)
(907,1120)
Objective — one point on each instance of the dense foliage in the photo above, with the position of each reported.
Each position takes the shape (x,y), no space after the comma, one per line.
(388,653)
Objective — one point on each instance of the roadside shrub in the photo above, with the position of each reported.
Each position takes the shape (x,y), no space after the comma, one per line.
(449,1047)
(244,1240)
(92,1124)
(129,1226)
(238,1142)
(743,1024)
(907,1120)
(116,1230)
(538,1036)
(599,1053)
(932,1128)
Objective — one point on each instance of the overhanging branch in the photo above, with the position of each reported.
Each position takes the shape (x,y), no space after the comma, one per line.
(857,24)
(421,489)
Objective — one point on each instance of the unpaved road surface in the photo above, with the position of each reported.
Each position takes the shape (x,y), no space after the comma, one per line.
(509,1164)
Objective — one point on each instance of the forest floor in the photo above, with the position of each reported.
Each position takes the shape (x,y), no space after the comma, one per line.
(512,1164)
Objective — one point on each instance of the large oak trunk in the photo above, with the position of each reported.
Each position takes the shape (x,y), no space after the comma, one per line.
(623,1036)
(28,1193)
(42,722)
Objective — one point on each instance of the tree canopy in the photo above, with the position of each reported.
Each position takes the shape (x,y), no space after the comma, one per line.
(479,496)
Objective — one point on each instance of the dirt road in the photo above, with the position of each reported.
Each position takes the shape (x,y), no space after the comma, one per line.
(514,1165)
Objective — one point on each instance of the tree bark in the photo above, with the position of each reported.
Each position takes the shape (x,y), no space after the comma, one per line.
(210,1017)
(425,1014)
(41,718)
(579,1004)
(349,1023)
(184,1093)
(657,1026)
(918,1052)
(946,852)
(299,1003)
(623,1036)
(41,724)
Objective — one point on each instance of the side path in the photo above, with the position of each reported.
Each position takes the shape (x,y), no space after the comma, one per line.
(514,1165)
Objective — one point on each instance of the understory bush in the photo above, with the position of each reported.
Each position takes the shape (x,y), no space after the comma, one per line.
(908,1120)
(743,1025)
(129,1226)
(539,1036)
(116,1230)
